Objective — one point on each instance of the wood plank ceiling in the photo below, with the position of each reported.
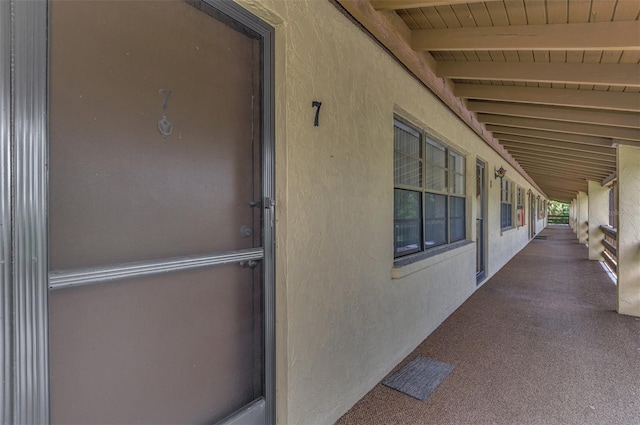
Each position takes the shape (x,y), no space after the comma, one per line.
(552,85)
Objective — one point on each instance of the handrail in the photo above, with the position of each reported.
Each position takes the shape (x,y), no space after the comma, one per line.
(610,243)
(558,219)
(612,232)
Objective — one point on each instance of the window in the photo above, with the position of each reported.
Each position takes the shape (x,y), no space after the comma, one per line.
(520,215)
(429,192)
(506,203)
(541,208)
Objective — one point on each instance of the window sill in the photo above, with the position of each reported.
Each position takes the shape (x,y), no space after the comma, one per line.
(507,229)
(413,263)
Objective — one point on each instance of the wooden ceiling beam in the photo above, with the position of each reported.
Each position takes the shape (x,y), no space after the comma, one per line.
(544,143)
(622,75)
(616,142)
(388,29)
(557,113)
(599,158)
(560,188)
(522,153)
(554,135)
(592,36)
(545,176)
(526,156)
(619,101)
(586,169)
(413,4)
(502,124)
(553,171)
(565,196)
(564,189)
(558,170)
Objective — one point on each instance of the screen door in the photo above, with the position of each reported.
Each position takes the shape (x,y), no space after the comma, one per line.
(156,213)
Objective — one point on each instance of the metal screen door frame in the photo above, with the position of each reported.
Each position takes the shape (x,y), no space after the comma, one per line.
(481,223)
(24,284)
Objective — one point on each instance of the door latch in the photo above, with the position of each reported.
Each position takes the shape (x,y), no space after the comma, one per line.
(249,264)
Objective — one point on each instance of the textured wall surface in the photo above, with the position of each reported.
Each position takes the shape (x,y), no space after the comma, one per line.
(345,316)
(629,230)
(583,217)
(598,216)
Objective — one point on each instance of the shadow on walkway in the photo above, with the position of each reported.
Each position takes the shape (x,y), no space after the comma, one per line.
(539,343)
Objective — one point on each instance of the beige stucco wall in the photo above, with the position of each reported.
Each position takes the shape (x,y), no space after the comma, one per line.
(598,216)
(583,217)
(345,316)
(629,230)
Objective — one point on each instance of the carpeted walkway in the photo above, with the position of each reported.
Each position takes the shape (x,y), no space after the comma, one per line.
(540,343)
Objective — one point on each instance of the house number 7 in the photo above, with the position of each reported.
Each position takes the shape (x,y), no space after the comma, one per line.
(316,104)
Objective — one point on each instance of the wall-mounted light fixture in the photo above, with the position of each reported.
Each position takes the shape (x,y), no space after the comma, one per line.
(500,173)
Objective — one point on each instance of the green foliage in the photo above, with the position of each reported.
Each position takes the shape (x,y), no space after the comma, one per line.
(558,208)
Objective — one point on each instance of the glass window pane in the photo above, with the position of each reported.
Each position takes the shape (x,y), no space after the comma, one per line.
(436,220)
(435,153)
(405,141)
(435,156)
(457,186)
(407,221)
(456,162)
(457,218)
(505,213)
(436,178)
(407,170)
(457,173)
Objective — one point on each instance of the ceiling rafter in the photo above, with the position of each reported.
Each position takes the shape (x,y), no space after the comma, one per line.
(592,36)
(546,143)
(623,74)
(504,123)
(592,158)
(560,177)
(554,172)
(565,183)
(620,101)
(585,155)
(568,161)
(412,4)
(389,30)
(557,113)
(559,168)
(552,97)
(554,135)
(559,187)
(528,159)
(524,156)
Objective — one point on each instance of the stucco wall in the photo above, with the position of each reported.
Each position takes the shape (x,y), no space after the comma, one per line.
(628,230)
(345,317)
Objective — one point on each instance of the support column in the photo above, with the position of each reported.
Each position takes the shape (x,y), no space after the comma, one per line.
(583,216)
(629,230)
(572,215)
(598,216)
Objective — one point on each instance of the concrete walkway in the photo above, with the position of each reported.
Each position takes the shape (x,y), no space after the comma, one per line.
(539,343)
